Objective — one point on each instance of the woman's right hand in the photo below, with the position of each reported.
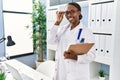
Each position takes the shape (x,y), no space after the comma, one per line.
(70,55)
(59,15)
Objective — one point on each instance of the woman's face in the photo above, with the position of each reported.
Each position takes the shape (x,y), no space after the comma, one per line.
(72,14)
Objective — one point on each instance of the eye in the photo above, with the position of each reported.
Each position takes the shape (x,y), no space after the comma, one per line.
(67,12)
(72,11)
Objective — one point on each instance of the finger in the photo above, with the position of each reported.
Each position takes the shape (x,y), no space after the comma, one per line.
(65,55)
(60,12)
(56,12)
(65,52)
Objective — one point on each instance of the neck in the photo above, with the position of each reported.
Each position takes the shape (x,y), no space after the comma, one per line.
(74,25)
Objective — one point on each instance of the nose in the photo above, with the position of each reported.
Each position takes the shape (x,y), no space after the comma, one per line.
(69,15)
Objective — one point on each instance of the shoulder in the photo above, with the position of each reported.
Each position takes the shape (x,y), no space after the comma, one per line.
(89,34)
(85,28)
(64,27)
(88,29)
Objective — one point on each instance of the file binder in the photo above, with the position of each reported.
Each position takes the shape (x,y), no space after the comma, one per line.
(92,16)
(98,15)
(97,44)
(102,44)
(79,49)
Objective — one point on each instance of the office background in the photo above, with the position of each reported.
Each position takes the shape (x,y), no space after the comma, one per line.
(30,59)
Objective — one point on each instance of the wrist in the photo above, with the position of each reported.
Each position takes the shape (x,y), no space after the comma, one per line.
(57,22)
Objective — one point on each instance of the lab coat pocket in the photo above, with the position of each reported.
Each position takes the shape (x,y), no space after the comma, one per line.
(76,71)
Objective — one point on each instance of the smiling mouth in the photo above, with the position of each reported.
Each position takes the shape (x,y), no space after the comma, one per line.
(70,19)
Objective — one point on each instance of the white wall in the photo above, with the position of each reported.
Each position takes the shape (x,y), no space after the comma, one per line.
(29,60)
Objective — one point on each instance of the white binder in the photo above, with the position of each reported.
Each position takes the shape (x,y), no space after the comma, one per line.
(97,44)
(102,44)
(98,15)
(92,17)
(104,16)
(110,15)
(108,45)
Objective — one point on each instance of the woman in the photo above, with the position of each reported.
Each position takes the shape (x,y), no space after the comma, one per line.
(68,65)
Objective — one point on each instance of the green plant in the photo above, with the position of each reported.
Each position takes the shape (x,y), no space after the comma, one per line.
(39,28)
(101,73)
(2,76)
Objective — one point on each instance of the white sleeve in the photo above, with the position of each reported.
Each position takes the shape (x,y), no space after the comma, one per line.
(87,58)
(56,32)
(53,38)
(90,56)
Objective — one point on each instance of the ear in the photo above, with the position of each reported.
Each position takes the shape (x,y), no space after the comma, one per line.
(79,12)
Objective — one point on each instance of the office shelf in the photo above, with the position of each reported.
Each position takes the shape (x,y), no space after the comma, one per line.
(97,78)
(103,59)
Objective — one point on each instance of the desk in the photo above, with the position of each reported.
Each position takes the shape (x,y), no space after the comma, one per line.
(27,70)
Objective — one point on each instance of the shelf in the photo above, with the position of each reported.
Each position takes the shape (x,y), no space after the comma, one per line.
(102,30)
(99,1)
(96,78)
(103,59)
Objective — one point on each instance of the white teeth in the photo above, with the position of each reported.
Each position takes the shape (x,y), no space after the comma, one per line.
(70,19)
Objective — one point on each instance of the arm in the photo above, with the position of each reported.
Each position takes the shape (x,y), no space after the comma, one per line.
(54,34)
(86,58)
(83,57)
(90,56)
(60,15)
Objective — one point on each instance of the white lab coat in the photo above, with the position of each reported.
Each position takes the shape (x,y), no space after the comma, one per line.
(68,69)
